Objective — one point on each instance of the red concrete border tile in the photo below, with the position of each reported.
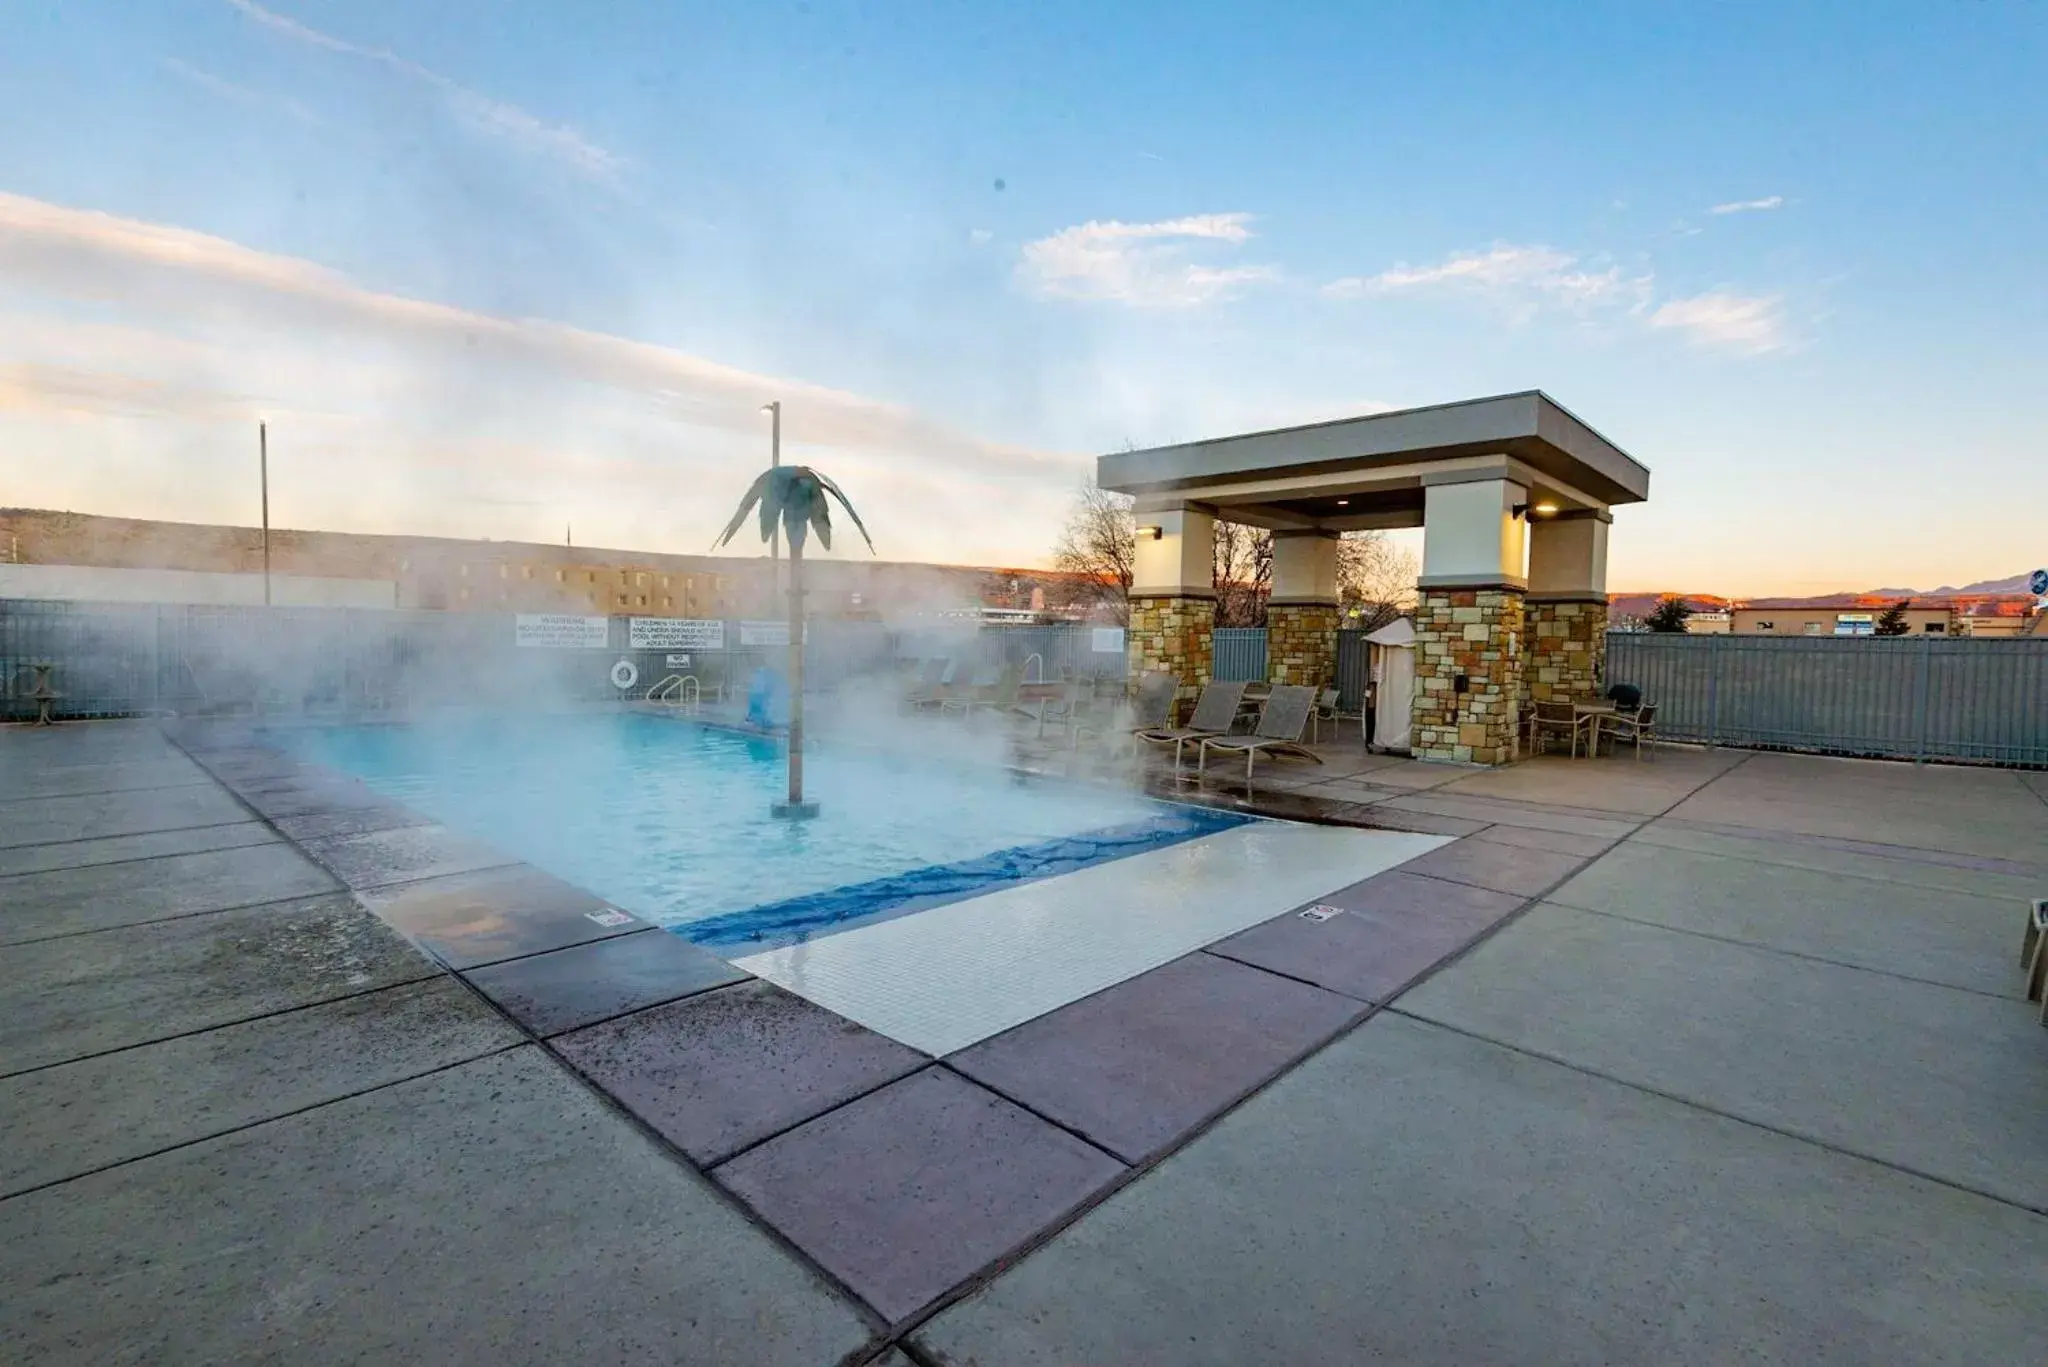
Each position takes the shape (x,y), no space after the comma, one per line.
(720,1071)
(1502,868)
(1387,930)
(909,1191)
(1136,1066)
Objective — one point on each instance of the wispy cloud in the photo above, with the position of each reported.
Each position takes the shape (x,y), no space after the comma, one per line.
(1746,324)
(414,404)
(1150,265)
(239,94)
(495,118)
(1747,206)
(1524,277)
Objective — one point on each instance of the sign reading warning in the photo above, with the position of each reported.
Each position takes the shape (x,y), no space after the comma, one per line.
(559,631)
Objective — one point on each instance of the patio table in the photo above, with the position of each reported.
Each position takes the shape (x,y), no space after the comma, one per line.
(1594,710)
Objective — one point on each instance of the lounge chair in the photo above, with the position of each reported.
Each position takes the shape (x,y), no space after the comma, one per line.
(1065,708)
(1214,713)
(999,695)
(1151,709)
(1279,732)
(940,688)
(935,671)
(953,696)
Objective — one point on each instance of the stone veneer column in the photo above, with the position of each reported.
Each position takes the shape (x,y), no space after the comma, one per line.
(1173,633)
(1567,648)
(1302,615)
(1567,607)
(1301,643)
(1475,634)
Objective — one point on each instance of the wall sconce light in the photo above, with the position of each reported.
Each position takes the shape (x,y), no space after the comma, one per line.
(1534,511)
(1151,533)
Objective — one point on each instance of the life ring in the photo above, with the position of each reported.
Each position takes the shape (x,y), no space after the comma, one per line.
(625,674)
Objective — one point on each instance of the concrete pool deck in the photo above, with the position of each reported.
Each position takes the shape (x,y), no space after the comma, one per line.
(1720,1057)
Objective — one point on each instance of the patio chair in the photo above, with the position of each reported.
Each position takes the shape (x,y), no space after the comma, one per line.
(1279,732)
(1325,711)
(1214,713)
(948,686)
(1558,718)
(1638,726)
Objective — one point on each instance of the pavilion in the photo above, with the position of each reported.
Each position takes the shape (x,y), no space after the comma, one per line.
(1513,493)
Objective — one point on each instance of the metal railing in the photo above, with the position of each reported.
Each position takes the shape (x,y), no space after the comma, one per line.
(1915,697)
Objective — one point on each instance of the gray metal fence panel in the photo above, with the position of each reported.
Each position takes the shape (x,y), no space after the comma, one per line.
(1064,650)
(1354,663)
(1924,697)
(115,659)
(1240,654)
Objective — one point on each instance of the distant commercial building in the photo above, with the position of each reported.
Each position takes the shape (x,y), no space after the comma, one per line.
(1710,623)
(1806,619)
(2003,618)
(209,588)
(81,557)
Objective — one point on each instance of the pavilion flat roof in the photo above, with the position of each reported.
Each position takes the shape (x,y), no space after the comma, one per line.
(1530,426)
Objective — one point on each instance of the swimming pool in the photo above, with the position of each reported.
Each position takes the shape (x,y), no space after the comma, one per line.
(669,819)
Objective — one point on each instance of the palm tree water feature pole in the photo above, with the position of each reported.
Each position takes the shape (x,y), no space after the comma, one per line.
(794,500)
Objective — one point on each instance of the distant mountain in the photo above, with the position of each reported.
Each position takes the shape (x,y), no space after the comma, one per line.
(2016,584)
(1639,604)
(1636,604)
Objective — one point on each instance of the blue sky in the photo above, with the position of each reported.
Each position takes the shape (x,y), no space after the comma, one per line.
(493,267)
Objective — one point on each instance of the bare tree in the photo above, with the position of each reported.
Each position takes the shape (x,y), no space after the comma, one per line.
(1096,549)
(1098,545)
(1375,579)
(1243,576)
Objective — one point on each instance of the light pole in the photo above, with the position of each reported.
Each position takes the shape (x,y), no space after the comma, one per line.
(774,411)
(263,475)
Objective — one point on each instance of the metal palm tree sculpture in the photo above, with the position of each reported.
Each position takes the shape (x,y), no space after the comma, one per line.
(796,497)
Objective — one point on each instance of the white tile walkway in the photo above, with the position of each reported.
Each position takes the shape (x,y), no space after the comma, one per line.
(943,979)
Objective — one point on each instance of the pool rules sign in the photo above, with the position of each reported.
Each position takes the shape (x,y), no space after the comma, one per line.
(560,631)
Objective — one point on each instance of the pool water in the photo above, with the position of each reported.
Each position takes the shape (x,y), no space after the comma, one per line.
(669,819)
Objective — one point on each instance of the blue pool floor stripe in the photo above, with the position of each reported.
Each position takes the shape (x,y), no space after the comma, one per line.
(775,925)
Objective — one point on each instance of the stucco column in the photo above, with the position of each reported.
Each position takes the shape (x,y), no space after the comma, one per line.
(1301,614)
(1173,594)
(1567,606)
(1468,624)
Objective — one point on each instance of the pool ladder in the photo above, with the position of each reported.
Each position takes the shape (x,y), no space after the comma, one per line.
(679,690)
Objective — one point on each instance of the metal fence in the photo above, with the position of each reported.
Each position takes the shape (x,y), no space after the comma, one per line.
(114,659)
(1913,697)
(1354,664)
(1239,653)
(1063,651)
